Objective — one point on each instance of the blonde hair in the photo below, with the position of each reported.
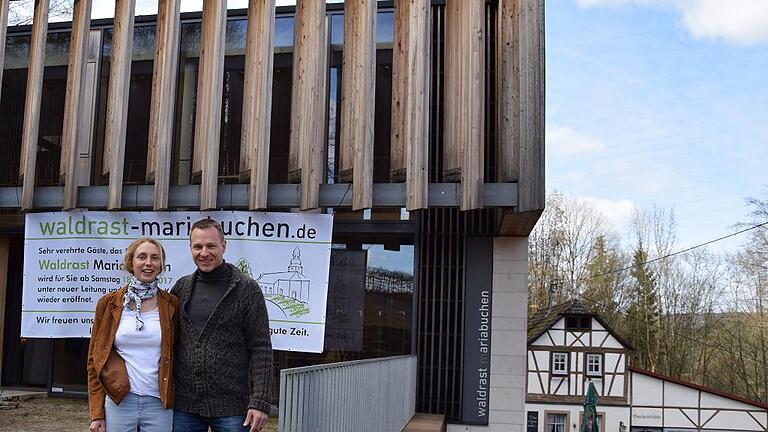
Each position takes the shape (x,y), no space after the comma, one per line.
(131,251)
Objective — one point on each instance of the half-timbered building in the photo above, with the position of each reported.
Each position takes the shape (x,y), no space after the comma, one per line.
(569,347)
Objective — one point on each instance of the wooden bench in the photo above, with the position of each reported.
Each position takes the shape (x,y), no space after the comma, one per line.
(426,423)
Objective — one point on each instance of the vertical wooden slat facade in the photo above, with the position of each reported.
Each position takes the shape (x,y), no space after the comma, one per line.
(210,81)
(161,113)
(463,144)
(117,100)
(257,100)
(74,108)
(309,101)
(410,99)
(531,192)
(358,91)
(32,103)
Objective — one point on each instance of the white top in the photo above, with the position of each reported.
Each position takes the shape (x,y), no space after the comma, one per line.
(140,350)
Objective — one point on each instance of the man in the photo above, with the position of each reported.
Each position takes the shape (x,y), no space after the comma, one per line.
(223,362)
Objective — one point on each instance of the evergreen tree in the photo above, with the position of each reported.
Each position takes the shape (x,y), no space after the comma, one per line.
(644,311)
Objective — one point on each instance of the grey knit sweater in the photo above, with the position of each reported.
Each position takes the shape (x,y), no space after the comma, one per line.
(225,367)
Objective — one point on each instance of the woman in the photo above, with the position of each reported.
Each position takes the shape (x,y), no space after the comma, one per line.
(130,358)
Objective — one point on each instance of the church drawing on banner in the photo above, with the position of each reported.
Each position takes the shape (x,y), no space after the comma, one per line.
(291,283)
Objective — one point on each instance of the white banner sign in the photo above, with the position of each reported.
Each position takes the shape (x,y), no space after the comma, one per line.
(71,259)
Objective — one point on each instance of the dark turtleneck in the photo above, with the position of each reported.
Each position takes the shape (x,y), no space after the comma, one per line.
(208,290)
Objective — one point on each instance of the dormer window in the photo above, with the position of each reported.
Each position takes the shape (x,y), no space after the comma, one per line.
(594,365)
(578,323)
(559,363)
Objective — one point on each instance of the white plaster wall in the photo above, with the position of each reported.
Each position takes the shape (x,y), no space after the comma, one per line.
(613,415)
(646,391)
(508,337)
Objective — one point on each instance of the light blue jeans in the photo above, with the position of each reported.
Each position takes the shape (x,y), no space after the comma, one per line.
(145,413)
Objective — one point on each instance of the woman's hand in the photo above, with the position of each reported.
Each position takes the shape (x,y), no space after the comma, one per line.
(98,426)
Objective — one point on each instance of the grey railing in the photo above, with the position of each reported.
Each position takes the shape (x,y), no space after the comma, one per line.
(364,395)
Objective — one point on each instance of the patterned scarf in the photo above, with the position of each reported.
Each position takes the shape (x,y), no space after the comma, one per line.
(138,291)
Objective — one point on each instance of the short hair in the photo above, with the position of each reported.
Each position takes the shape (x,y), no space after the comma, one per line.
(205,224)
(131,251)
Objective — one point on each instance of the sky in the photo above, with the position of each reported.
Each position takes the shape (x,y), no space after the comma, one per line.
(648,102)
(659,102)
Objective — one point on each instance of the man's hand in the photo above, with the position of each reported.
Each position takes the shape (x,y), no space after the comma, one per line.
(256,419)
(98,426)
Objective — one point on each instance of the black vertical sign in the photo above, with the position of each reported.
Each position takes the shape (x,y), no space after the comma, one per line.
(477,330)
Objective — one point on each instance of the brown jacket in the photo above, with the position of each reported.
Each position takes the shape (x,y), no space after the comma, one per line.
(107,374)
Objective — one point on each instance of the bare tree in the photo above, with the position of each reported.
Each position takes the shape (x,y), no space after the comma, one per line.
(21,12)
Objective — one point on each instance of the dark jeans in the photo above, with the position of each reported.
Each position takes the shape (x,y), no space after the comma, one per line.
(185,422)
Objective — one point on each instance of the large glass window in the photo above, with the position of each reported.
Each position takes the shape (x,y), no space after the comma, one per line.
(13,98)
(139,102)
(232,101)
(383,95)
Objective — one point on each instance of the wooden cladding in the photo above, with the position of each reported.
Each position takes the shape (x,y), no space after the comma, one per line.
(3,29)
(32,103)
(410,99)
(74,105)
(521,115)
(117,100)
(465,98)
(358,91)
(210,81)
(309,101)
(456,115)
(257,100)
(163,97)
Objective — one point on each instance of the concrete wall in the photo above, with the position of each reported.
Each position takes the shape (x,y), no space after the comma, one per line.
(508,337)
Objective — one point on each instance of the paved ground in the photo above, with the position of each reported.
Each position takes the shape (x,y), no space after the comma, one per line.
(54,414)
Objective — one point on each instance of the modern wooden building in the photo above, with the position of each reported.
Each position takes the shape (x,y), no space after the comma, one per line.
(418,123)
(569,346)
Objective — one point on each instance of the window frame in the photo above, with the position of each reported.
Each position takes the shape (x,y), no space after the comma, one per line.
(552,369)
(565,414)
(601,359)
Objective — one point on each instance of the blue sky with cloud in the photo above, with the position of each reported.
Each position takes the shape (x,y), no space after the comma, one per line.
(659,102)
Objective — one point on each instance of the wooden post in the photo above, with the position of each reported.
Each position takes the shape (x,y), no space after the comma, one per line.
(531,191)
(507,90)
(358,91)
(309,101)
(399,93)
(117,100)
(74,106)
(463,142)
(210,81)
(410,98)
(163,100)
(257,100)
(32,103)
(4,253)
(4,5)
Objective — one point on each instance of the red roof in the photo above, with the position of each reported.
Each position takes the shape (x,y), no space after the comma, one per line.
(699,387)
